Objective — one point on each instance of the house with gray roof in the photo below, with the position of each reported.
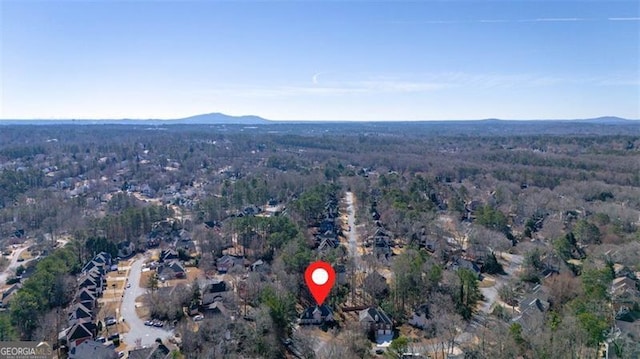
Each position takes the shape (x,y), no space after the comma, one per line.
(375,320)
(316,315)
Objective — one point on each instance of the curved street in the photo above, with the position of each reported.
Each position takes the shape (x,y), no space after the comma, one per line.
(13,262)
(137,329)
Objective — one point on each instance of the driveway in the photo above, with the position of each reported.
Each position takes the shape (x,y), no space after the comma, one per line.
(137,329)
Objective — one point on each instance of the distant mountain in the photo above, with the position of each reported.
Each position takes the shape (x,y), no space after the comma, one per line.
(222,119)
(492,120)
(205,119)
(607,120)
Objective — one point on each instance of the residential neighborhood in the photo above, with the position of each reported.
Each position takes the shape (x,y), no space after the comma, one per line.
(146,249)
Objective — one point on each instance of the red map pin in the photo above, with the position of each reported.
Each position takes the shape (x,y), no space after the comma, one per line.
(319,277)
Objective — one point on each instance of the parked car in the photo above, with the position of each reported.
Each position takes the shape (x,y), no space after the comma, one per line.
(114,336)
(128,285)
(101,339)
(158,324)
(109,321)
(148,322)
(198,318)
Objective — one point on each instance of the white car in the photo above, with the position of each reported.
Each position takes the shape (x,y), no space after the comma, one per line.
(198,318)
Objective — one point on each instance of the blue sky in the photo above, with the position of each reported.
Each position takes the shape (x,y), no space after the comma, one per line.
(305,60)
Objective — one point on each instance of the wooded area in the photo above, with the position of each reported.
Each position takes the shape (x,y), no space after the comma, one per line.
(515,236)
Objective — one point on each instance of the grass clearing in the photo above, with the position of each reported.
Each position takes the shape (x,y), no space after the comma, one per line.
(141,310)
(4,263)
(144,278)
(108,309)
(25,255)
(487,282)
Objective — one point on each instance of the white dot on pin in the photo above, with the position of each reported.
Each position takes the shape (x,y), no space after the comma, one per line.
(320,276)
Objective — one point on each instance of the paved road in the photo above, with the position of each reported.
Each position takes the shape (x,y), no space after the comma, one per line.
(490,296)
(511,264)
(353,233)
(137,329)
(320,339)
(10,271)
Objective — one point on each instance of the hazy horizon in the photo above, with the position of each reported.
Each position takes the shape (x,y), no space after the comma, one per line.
(312,121)
(320,61)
